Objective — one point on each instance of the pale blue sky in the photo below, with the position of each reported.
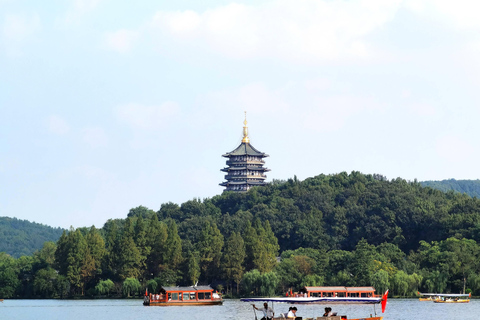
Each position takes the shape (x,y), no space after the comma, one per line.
(106,105)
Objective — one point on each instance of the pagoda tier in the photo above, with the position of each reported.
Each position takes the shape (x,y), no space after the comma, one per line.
(244,166)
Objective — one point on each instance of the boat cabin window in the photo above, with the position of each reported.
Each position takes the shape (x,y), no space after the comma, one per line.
(314,294)
(192,295)
(201,295)
(208,295)
(173,296)
(186,296)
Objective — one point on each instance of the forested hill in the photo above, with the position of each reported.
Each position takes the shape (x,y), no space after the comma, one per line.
(342,229)
(337,211)
(23,238)
(470,187)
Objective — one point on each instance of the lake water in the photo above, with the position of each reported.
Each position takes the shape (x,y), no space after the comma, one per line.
(397,309)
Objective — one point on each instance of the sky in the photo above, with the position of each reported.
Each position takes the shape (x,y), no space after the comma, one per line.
(106,105)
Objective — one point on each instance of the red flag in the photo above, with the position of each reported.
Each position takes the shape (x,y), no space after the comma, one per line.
(384,301)
(146,292)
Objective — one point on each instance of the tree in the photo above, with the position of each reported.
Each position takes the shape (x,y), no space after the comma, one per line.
(261,247)
(152,286)
(251,242)
(251,282)
(297,271)
(8,276)
(193,268)
(71,257)
(363,264)
(46,255)
(461,256)
(401,283)
(44,283)
(129,258)
(109,263)
(93,256)
(380,281)
(173,254)
(233,259)
(140,239)
(142,212)
(105,287)
(157,241)
(210,247)
(131,287)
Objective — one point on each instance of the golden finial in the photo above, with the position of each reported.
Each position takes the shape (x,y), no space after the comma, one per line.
(245,130)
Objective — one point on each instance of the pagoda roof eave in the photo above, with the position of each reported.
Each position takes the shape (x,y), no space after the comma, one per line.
(245,168)
(245,148)
(251,183)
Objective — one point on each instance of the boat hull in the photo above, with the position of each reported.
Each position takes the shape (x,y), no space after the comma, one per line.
(451,301)
(426,299)
(337,317)
(182,303)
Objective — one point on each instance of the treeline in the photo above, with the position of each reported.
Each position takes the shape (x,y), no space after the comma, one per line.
(344,229)
(21,237)
(470,187)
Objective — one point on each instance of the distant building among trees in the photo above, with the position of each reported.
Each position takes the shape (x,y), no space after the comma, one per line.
(244,166)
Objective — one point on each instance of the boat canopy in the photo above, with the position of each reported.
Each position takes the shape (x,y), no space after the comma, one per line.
(445,294)
(326,300)
(186,289)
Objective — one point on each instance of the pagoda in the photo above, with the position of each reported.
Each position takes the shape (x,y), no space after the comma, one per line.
(245,166)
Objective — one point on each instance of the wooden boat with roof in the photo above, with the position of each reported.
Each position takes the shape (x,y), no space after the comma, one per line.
(183,296)
(427,296)
(328,296)
(342,295)
(452,298)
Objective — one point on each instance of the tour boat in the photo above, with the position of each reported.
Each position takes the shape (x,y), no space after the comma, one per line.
(331,295)
(428,296)
(183,296)
(452,298)
(303,298)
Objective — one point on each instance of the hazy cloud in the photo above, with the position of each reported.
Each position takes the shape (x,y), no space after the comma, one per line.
(461,14)
(95,137)
(305,29)
(148,117)
(57,125)
(453,148)
(121,40)
(17,29)
(79,8)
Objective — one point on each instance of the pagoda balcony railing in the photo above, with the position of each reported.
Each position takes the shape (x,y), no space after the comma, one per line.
(230,162)
(245,176)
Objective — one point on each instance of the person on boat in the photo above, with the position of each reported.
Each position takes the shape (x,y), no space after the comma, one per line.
(267,312)
(292,312)
(328,312)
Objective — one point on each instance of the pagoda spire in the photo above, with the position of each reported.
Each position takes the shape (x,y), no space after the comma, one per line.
(245,139)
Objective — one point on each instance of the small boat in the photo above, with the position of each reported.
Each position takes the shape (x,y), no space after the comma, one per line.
(326,301)
(183,296)
(428,296)
(330,295)
(452,298)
